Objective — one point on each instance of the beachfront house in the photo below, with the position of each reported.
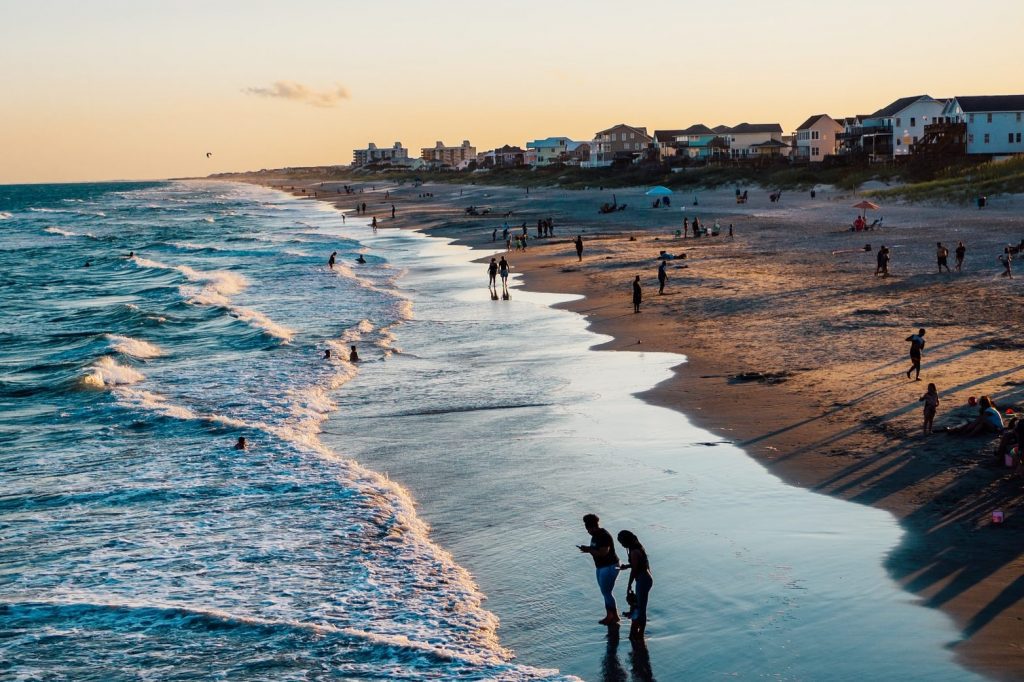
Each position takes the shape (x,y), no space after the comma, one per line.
(994,122)
(396,155)
(578,153)
(623,143)
(442,156)
(666,143)
(754,140)
(816,138)
(894,129)
(552,150)
(506,156)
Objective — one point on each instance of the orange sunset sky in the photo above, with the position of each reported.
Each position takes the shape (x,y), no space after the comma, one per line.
(124,90)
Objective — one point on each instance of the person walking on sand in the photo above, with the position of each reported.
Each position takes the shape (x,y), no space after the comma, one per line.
(931,405)
(1005,258)
(942,256)
(640,575)
(373,223)
(662,278)
(392,211)
(606,563)
(882,265)
(686,226)
(638,294)
(960,252)
(579,248)
(916,346)
(331,260)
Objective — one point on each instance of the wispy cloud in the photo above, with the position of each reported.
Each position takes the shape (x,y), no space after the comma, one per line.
(301,93)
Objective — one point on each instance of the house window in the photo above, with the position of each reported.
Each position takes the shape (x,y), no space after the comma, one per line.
(899,142)
(632,136)
(814,151)
(913,121)
(1011,138)
(970,118)
(989,118)
(1018,138)
(915,139)
(814,134)
(1018,117)
(986,138)
(970,138)
(898,124)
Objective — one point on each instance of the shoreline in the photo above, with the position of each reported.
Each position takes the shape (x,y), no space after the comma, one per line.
(830,430)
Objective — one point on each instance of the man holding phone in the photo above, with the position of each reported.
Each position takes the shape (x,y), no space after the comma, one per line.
(602,549)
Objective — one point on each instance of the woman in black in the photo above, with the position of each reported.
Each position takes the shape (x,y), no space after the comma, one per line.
(640,574)
(638,294)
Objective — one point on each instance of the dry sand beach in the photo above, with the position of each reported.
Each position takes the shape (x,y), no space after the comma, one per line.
(796,353)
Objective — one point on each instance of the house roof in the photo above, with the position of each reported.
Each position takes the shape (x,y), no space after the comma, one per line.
(720,129)
(548,142)
(991,103)
(666,135)
(697,129)
(812,120)
(770,143)
(899,105)
(755,128)
(636,129)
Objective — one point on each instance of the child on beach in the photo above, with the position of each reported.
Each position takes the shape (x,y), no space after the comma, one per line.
(931,405)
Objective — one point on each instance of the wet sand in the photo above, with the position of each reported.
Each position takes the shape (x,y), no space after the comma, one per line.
(841,419)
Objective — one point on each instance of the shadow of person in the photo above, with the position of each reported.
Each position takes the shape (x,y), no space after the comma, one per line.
(640,662)
(611,668)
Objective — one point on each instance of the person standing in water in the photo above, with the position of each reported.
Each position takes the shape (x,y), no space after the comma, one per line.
(960,252)
(579,248)
(916,346)
(606,564)
(638,294)
(662,278)
(639,574)
(241,444)
(1004,258)
(330,261)
(503,271)
(492,274)
(353,356)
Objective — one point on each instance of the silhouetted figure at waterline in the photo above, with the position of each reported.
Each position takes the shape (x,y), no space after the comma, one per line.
(638,294)
(606,565)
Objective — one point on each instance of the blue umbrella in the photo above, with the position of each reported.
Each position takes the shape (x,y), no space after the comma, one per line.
(658,191)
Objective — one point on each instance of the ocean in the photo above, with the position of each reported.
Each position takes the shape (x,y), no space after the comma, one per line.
(138,544)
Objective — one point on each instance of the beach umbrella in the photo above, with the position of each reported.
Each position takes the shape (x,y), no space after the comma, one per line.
(866,206)
(658,191)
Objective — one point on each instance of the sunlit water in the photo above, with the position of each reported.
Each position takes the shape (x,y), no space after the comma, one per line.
(138,543)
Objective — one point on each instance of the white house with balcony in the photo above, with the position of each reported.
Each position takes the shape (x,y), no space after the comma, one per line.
(816,138)
(994,122)
(903,121)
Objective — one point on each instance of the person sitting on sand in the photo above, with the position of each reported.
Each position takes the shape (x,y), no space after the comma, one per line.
(916,346)
(988,421)
(241,444)
(353,356)
(606,563)
(638,294)
(1012,437)
(639,574)
(931,405)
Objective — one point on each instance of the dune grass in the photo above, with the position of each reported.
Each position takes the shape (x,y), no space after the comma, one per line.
(962,185)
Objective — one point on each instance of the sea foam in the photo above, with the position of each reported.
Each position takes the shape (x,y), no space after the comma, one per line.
(105,373)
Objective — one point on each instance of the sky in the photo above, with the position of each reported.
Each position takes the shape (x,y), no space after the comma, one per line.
(110,89)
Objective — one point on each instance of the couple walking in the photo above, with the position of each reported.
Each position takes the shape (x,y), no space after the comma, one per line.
(493,270)
(602,550)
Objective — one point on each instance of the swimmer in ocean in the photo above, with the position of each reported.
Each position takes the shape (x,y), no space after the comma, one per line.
(327,354)
(353,356)
(241,444)
(330,261)
(360,259)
